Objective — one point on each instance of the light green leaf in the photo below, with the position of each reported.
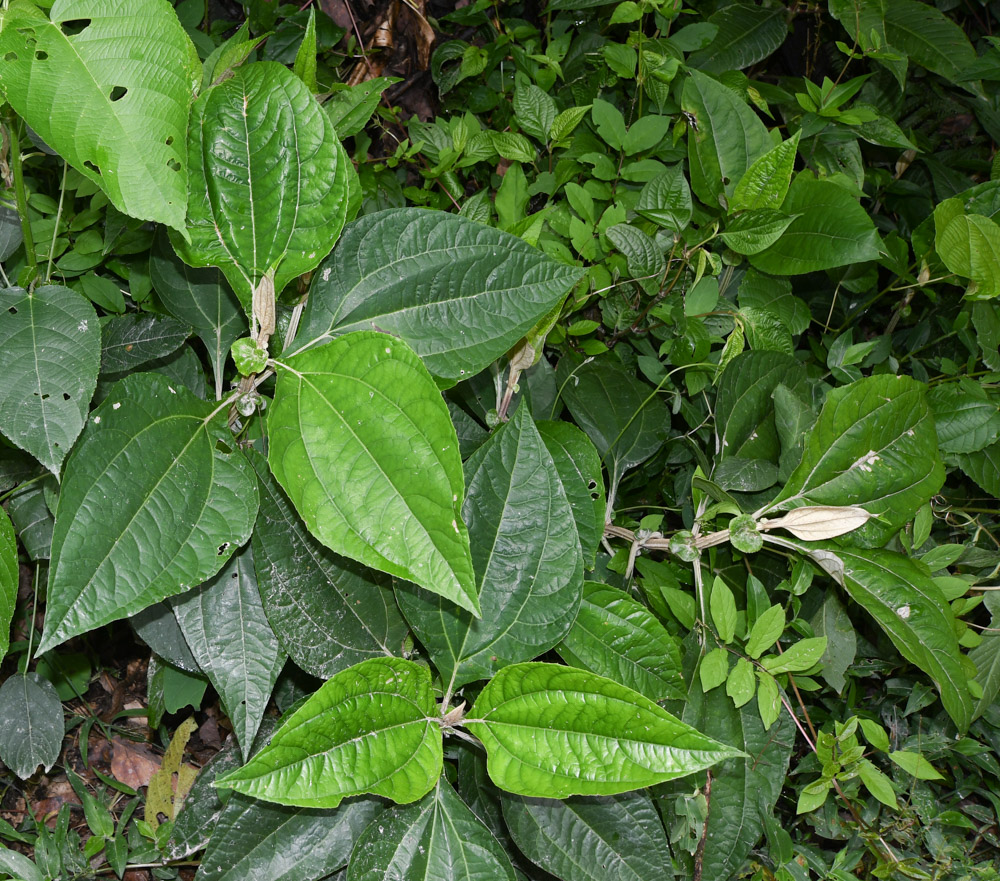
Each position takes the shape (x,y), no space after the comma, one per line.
(515,147)
(328,612)
(928,37)
(350,107)
(746,34)
(200,298)
(439,837)
(153,501)
(877,784)
(722,605)
(830,229)
(534,110)
(916,765)
(969,245)
(765,183)
(765,631)
(370,729)
(553,731)
(622,837)
(8,580)
(125,126)
(366,399)
(224,624)
(31,724)
(875,734)
(813,795)
(713,669)
(740,685)
(768,699)
(726,141)
(268,180)
(774,295)
(666,199)
(458,292)
(609,122)
(305,59)
(831,620)
(253,840)
(756,229)
(617,637)
(527,559)
(50,349)
(645,133)
(905,602)
(797,658)
(873,446)
(564,124)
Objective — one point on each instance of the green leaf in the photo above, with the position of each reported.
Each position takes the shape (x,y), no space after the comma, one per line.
(350,107)
(928,37)
(305,59)
(830,229)
(616,637)
(965,418)
(50,349)
(645,259)
(901,596)
(983,467)
(756,229)
(874,446)
(328,612)
(797,658)
(916,765)
(534,110)
(129,341)
(370,729)
(564,124)
(765,183)
(153,501)
(31,724)
(527,559)
(579,467)
(8,580)
(726,139)
(875,734)
(158,628)
(877,784)
(969,245)
(740,685)
(459,293)
(125,126)
(200,298)
(813,795)
(439,837)
(766,631)
(268,180)
(609,122)
(722,605)
(713,669)
(986,657)
(746,34)
(831,620)
(33,521)
(19,866)
(224,624)
(620,838)
(252,840)
(553,731)
(367,399)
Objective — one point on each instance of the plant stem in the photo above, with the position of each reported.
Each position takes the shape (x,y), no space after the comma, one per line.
(22,200)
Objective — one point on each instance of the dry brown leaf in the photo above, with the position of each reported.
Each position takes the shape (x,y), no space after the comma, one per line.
(133,764)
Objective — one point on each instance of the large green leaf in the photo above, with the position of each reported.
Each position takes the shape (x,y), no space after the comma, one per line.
(725,137)
(830,229)
(552,731)
(328,612)
(201,298)
(965,417)
(31,724)
(223,622)
(258,841)
(437,838)
(129,341)
(268,179)
(362,442)
(527,557)
(615,636)
(116,113)
(459,293)
(747,34)
(874,445)
(928,37)
(372,728)
(901,596)
(8,580)
(50,351)
(983,467)
(986,657)
(620,838)
(969,245)
(154,501)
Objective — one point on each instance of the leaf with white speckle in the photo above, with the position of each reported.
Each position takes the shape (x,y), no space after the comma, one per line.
(31,724)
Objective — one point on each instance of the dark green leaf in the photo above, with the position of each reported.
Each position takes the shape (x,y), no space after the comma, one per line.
(132,340)
(928,37)
(31,724)
(747,34)
(965,418)
(8,580)
(831,620)
(158,628)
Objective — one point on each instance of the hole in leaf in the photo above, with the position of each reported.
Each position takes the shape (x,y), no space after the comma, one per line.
(592,484)
(222,447)
(169,140)
(90,165)
(10,56)
(118,92)
(223,548)
(41,56)
(173,165)
(235,575)
(13,310)
(65,396)
(44,397)
(75,26)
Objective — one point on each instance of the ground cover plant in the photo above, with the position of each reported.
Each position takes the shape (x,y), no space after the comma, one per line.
(592,478)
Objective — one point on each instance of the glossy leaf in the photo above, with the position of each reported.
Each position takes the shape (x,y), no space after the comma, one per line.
(224,624)
(257,841)
(50,349)
(125,126)
(460,294)
(130,341)
(362,442)
(8,580)
(529,565)
(158,628)
(969,245)
(752,231)
(746,34)
(438,837)
(983,467)
(928,37)
(874,446)
(31,724)
(328,612)
(620,838)
(666,199)
(965,418)
(369,729)
(153,501)
(553,731)
(727,139)
(268,179)
(617,637)
(765,183)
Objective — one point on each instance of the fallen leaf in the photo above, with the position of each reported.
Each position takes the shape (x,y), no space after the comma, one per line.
(133,764)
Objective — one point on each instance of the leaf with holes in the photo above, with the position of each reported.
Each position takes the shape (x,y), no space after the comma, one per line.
(268,179)
(153,501)
(125,125)
(50,350)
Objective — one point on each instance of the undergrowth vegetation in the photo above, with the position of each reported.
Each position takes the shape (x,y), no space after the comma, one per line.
(596,480)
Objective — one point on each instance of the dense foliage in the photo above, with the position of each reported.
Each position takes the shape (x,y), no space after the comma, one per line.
(595,481)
